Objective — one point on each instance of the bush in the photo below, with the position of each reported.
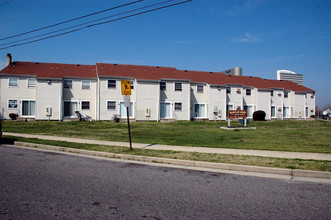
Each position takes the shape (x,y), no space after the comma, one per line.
(259,116)
(13,116)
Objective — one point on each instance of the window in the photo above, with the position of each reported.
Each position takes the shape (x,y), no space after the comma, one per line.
(111,83)
(178,106)
(273,111)
(32,82)
(132,87)
(67,84)
(285,94)
(272,92)
(178,86)
(249,110)
(228,90)
(12,104)
(111,105)
(307,112)
(199,110)
(248,91)
(28,108)
(85,105)
(13,82)
(286,112)
(163,85)
(200,88)
(86,84)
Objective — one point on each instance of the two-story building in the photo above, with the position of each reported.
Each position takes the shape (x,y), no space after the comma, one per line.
(53,91)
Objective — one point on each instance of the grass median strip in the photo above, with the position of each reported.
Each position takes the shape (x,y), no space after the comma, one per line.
(216,158)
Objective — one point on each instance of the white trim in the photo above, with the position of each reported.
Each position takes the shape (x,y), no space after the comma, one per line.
(35,109)
(107,105)
(171,109)
(89,88)
(133,109)
(27,84)
(16,104)
(206,109)
(18,82)
(81,105)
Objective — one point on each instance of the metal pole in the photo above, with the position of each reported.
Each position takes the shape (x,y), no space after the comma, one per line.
(127,114)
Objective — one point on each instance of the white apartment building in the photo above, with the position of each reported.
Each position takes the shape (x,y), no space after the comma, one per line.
(53,91)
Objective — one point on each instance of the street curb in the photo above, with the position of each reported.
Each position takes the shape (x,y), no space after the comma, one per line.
(190,163)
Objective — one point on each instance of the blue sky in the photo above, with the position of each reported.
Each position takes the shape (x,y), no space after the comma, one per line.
(261,36)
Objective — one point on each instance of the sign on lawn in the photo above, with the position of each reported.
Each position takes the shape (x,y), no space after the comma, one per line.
(237,114)
(126,87)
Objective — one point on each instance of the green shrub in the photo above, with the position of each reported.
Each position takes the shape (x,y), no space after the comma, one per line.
(13,116)
(259,116)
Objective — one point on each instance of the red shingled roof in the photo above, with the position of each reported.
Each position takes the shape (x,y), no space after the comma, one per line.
(50,70)
(56,70)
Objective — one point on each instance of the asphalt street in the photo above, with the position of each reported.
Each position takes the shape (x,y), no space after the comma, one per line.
(46,185)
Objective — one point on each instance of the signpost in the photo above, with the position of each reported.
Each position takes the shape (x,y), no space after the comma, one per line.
(126,91)
(237,114)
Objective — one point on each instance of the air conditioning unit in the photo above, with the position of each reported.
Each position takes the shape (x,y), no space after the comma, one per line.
(48,111)
(238,90)
(148,112)
(279,109)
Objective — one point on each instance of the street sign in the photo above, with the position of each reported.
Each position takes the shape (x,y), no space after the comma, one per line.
(126,87)
(237,113)
(127,101)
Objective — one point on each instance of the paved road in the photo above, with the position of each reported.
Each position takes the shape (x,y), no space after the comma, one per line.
(47,185)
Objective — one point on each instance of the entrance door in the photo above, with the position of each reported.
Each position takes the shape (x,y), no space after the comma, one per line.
(165,110)
(70,108)
(28,108)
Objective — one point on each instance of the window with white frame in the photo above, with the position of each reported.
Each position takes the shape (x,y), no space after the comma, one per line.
(178,106)
(132,84)
(163,85)
(85,105)
(32,82)
(199,110)
(249,110)
(228,90)
(12,104)
(111,105)
(111,84)
(67,84)
(286,112)
(248,92)
(273,111)
(272,93)
(28,108)
(285,94)
(200,88)
(13,82)
(178,86)
(86,84)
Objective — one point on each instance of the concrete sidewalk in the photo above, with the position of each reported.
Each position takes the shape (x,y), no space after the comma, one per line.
(261,153)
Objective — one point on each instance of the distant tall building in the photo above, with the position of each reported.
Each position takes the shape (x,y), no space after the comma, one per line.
(290,76)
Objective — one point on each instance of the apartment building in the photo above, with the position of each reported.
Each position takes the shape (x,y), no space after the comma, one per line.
(54,91)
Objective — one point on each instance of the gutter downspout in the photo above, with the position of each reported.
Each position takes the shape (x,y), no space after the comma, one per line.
(98,94)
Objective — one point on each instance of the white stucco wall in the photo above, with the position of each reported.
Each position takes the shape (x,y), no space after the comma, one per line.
(217,101)
(148,96)
(299,105)
(264,102)
(48,95)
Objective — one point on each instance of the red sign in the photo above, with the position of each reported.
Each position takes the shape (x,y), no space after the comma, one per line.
(237,114)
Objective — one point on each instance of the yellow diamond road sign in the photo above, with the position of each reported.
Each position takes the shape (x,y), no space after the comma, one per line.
(126,87)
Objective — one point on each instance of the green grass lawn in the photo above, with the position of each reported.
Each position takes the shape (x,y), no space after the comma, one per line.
(300,136)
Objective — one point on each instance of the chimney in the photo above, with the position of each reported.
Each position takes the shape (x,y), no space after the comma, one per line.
(8,59)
